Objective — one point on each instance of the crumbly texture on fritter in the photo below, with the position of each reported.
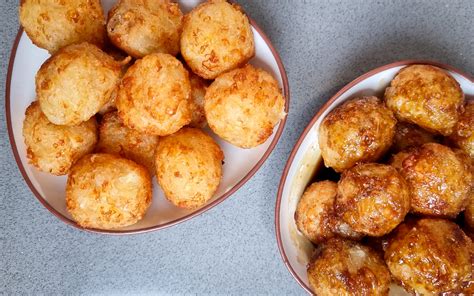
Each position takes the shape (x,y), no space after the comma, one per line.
(244,105)
(217,37)
(116,138)
(198,91)
(74,84)
(430,256)
(359,130)
(55,148)
(345,267)
(188,167)
(106,191)
(54,24)
(427,96)
(438,179)
(154,95)
(142,27)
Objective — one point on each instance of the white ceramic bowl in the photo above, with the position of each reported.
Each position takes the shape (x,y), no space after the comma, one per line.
(300,168)
(240,164)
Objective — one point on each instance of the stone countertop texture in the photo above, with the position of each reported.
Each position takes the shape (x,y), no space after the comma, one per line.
(231,249)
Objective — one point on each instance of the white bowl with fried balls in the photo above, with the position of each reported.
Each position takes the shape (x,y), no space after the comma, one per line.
(430,256)
(439,181)
(372,198)
(55,148)
(427,96)
(53,24)
(105,191)
(345,267)
(305,165)
(217,37)
(74,84)
(154,96)
(244,105)
(116,138)
(360,130)
(240,164)
(188,167)
(142,27)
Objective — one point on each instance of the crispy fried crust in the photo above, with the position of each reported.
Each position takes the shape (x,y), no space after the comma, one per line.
(116,138)
(106,191)
(54,24)
(244,105)
(216,38)
(359,130)
(198,91)
(439,181)
(75,83)
(430,256)
(427,96)
(372,198)
(344,267)
(142,27)
(463,135)
(314,214)
(188,167)
(54,148)
(154,96)
(409,135)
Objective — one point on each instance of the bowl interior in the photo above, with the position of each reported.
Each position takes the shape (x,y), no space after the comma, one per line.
(240,164)
(295,248)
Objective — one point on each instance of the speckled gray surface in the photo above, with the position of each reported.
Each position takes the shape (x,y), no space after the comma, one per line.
(232,248)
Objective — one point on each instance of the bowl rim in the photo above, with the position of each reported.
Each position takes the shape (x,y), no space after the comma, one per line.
(303,135)
(247,177)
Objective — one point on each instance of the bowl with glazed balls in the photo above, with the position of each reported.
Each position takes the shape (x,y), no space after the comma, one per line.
(118,111)
(377,195)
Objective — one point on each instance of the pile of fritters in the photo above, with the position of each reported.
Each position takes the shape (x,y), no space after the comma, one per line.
(409,217)
(116,106)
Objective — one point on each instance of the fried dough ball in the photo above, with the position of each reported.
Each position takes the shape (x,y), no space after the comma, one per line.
(427,96)
(372,198)
(188,167)
(54,24)
(439,181)
(154,96)
(75,83)
(409,135)
(314,214)
(105,191)
(217,37)
(198,91)
(244,105)
(116,138)
(142,27)
(463,135)
(359,130)
(345,267)
(430,256)
(54,148)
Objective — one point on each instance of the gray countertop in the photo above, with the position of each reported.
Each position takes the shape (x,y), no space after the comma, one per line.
(230,249)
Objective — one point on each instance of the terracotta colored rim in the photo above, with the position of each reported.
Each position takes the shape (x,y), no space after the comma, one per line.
(308,128)
(279,131)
